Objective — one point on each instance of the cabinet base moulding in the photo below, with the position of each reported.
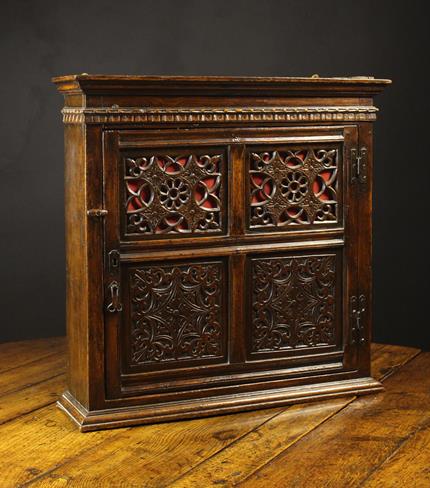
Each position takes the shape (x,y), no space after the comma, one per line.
(132,415)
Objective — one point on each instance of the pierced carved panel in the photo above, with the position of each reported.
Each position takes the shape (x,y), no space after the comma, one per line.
(293,187)
(293,302)
(177,312)
(174,194)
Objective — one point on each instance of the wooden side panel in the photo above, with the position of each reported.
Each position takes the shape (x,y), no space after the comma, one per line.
(84,262)
(76,264)
(94,198)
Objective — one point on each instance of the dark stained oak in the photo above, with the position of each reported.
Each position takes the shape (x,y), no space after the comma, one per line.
(382,437)
(218,242)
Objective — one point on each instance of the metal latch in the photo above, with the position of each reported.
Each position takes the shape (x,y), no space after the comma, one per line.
(97,213)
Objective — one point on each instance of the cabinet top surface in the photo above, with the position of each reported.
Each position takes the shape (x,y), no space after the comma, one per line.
(86,82)
(222,79)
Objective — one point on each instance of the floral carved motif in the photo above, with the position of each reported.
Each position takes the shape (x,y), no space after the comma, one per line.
(293,302)
(293,187)
(177,312)
(174,194)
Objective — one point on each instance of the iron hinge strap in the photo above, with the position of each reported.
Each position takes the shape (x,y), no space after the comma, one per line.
(357,309)
(359,165)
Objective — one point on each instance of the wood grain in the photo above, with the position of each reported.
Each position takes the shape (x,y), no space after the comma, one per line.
(156,454)
(240,460)
(408,466)
(31,398)
(343,450)
(141,455)
(378,441)
(41,370)
(14,354)
(37,442)
(386,359)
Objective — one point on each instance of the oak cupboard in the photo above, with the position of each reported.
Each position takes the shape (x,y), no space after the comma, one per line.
(218,243)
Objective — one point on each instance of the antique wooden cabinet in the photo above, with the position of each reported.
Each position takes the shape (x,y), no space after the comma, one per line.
(218,244)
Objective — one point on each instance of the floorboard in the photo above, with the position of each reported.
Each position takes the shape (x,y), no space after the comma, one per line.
(14,354)
(32,373)
(31,398)
(240,460)
(343,451)
(408,466)
(39,446)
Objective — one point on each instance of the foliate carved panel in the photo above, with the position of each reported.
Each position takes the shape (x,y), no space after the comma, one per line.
(177,312)
(294,187)
(174,194)
(293,302)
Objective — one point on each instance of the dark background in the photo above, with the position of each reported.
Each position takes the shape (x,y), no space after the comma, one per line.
(40,39)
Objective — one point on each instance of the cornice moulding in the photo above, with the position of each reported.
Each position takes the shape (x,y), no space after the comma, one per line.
(73,115)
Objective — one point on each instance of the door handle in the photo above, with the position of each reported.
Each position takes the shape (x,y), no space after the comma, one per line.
(115,303)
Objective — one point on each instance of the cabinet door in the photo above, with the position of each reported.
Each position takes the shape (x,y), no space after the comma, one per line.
(230,259)
(299,192)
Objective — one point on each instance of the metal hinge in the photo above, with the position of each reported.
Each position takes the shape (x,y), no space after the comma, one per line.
(115,302)
(359,165)
(357,309)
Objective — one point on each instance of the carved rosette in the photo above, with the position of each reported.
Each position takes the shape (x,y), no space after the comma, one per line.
(293,187)
(177,312)
(174,194)
(293,302)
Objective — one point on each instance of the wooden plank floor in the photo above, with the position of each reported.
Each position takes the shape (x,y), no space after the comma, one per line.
(379,440)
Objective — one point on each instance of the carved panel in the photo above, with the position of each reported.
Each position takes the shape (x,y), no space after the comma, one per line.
(293,302)
(174,194)
(294,187)
(177,312)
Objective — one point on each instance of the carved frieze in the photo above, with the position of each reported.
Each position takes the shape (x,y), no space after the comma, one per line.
(72,115)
